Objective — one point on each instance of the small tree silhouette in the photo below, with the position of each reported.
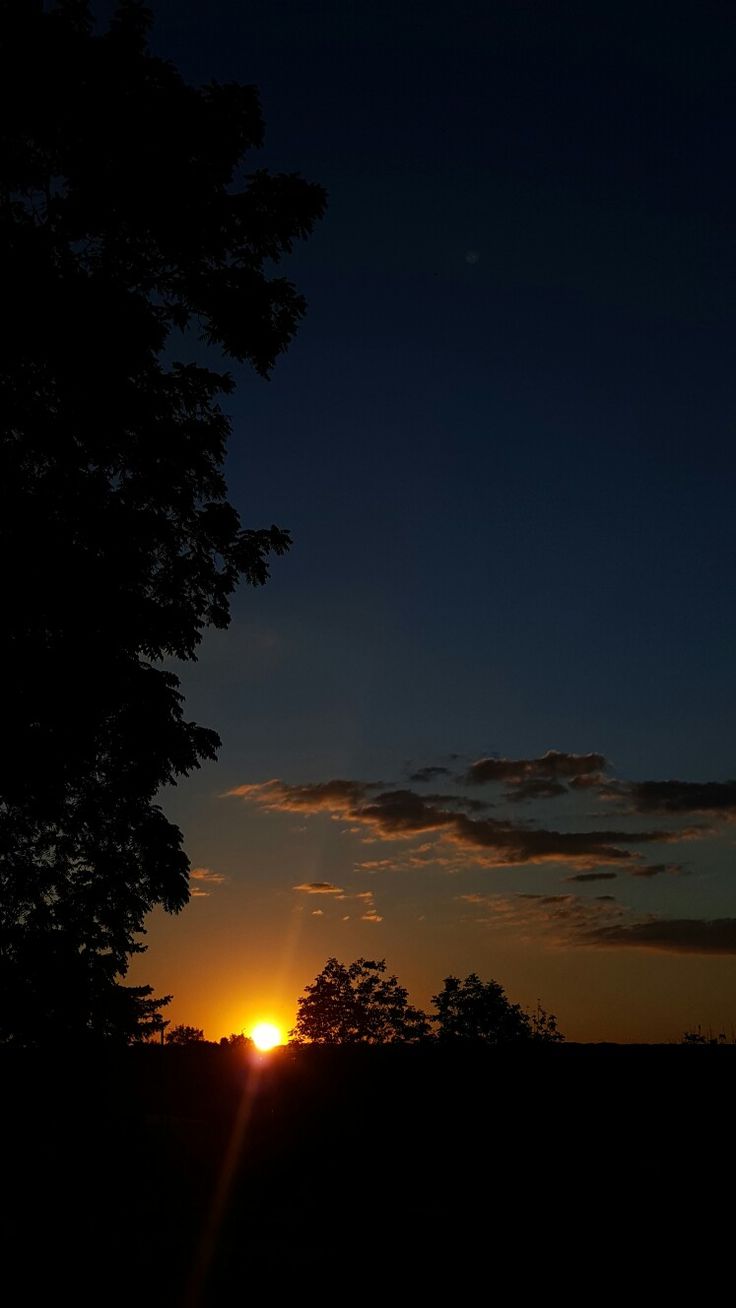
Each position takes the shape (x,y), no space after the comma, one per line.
(185,1035)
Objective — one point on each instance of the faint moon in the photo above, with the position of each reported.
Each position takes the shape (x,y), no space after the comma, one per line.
(472,256)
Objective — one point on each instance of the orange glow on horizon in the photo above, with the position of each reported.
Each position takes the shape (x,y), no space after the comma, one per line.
(265,1036)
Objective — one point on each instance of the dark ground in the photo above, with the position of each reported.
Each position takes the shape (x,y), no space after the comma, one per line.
(171,1176)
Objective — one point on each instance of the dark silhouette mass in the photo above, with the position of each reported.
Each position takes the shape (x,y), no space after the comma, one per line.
(480,1011)
(185,1035)
(357,1004)
(126,219)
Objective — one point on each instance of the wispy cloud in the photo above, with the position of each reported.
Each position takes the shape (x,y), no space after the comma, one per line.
(319,888)
(364,899)
(207,875)
(602,923)
(593,876)
(205,879)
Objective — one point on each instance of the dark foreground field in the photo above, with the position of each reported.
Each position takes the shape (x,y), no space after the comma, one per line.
(171,1176)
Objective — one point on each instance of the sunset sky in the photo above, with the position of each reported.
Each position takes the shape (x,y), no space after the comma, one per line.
(482,717)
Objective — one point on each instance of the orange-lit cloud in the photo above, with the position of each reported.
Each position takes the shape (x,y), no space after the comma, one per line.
(365,899)
(204,877)
(332,797)
(319,888)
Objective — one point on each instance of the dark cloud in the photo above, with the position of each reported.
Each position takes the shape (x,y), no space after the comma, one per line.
(459,803)
(602,923)
(593,876)
(587,781)
(402,814)
(519,844)
(534,788)
(681,796)
(550,766)
(429,774)
(669,935)
(656,869)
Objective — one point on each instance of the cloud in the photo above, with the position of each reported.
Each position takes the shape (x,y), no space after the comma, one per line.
(507,844)
(534,788)
(670,935)
(402,814)
(656,869)
(561,919)
(429,774)
(318,888)
(718,797)
(335,797)
(550,766)
(206,875)
(603,923)
(204,879)
(364,898)
(593,876)
(378,865)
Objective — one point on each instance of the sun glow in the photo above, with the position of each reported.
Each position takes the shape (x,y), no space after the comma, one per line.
(266,1036)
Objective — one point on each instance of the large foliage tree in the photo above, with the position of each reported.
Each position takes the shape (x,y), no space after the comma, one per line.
(480,1011)
(126,219)
(357,1004)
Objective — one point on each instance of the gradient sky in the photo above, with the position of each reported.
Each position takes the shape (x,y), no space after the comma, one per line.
(504,444)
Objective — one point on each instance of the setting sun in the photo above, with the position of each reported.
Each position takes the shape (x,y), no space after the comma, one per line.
(266,1036)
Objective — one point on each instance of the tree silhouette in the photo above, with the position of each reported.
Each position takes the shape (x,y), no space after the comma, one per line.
(357,1004)
(481,1011)
(126,219)
(236,1040)
(185,1035)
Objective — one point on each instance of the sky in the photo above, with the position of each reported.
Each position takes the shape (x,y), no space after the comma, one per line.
(503,441)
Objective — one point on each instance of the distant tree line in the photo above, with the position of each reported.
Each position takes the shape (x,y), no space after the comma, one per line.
(194,1035)
(360,1004)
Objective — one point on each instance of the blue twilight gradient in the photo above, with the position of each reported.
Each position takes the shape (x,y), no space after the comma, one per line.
(504,437)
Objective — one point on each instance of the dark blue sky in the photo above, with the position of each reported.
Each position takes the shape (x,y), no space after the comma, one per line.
(504,437)
(510,480)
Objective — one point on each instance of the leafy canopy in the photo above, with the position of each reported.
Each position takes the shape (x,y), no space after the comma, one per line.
(357,1004)
(128,225)
(480,1011)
